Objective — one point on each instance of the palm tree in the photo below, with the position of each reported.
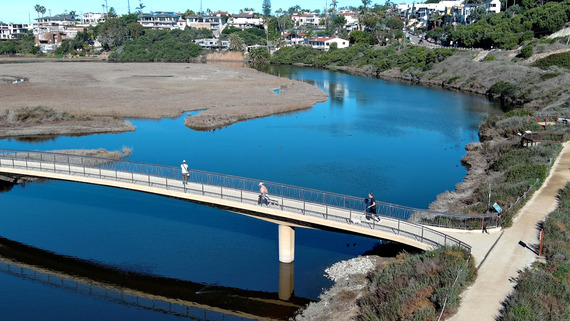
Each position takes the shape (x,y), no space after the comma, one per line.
(259,55)
(334,3)
(236,42)
(39,9)
(140,8)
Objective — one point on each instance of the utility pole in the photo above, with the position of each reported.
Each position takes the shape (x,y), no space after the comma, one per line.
(129,6)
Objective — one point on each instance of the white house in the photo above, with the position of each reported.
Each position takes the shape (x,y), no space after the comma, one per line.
(245,20)
(159,20)
(452,11)
(325,43)
(11,31)
(92,18)
(214,23)
(352,20)
(213,43)
(306,19)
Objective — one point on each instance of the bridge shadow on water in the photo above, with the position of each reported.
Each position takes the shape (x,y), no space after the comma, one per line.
(197,301)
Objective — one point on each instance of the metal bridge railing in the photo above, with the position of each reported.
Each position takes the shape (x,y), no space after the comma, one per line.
(113,293)
(399,220)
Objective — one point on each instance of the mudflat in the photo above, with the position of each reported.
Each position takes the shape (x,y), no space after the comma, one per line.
(92,93)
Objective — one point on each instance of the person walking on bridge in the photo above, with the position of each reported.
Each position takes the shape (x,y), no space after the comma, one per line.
(184,168)
(371,208)
(263,198)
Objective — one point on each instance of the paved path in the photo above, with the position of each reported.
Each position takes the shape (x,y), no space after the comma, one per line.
(496,276)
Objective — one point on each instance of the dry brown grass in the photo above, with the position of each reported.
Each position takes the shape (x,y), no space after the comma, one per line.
(154,90)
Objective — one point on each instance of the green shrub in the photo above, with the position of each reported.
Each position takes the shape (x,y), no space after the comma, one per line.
(489,58)
(526,51)
(501,87)
(452,79)
(549,75)
(560,60)
(416,286)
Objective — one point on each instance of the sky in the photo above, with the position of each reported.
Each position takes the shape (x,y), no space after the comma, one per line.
(22,11)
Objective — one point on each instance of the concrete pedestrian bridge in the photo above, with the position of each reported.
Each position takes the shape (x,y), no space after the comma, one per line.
(294,206)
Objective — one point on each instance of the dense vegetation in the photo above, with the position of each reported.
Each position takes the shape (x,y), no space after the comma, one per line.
(418,287)
(515,170)
(161,45)
(362,55)
(560,60)
(251,36)
(509,29)
(24,46)
(543,290)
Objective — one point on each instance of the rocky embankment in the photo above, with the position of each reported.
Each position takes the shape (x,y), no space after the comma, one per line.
(350,277)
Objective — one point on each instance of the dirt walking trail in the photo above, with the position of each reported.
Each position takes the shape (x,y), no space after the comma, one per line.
(514,249)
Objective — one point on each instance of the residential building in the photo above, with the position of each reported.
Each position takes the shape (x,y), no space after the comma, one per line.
(212,22)
(419,14)
(11,31)
(59,20)
(325,43)
(352,20)
(159,20)
(92,19)
(49,32)
(295,39)
(306,19)
(213,43)
(245,20)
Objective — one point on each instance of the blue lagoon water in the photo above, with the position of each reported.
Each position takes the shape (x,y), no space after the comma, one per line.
(403,143)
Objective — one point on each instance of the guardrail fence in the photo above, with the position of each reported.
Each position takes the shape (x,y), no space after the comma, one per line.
(396,219)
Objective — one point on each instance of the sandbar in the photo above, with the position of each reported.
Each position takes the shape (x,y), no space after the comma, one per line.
(102,92)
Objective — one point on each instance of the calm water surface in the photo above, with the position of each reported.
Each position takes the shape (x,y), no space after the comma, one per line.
(401,142)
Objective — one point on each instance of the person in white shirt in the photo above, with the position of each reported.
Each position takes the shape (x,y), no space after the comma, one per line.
(184,168)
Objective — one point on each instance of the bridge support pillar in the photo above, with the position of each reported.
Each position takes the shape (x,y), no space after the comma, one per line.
(286,244)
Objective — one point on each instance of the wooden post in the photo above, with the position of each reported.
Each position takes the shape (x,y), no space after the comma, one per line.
(541,237)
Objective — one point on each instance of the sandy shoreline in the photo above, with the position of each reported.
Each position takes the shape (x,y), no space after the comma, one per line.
(100,92)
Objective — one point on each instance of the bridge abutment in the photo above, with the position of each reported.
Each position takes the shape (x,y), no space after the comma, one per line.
(286,244)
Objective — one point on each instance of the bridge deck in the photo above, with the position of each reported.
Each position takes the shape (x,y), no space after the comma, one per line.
(331,211)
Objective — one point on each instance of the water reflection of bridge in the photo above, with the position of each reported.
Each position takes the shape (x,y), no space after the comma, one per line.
(296,206)
(193,300)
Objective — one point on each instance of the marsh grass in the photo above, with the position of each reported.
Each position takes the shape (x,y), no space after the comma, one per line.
(417,287)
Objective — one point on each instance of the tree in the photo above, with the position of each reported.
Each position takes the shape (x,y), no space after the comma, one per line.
(366,3)
(358,36)
(189,13)
(135,30)
(112,13)
(294,9)
(112,33)
(236,42)
(140,8)
(338,23)
(266,8)
(39,9)
(334,3)
(478,14)
(258,55)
